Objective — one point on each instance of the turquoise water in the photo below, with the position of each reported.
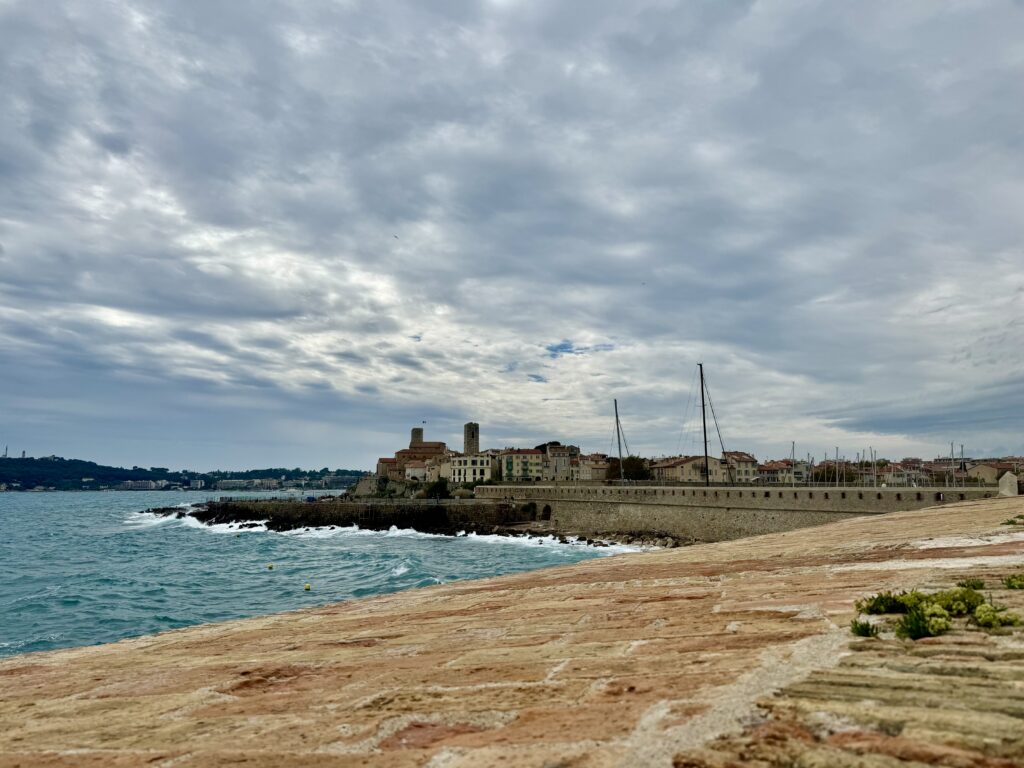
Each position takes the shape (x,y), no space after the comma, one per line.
(85,568)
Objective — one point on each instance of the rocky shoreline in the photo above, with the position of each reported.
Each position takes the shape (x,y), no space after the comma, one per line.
(220,513)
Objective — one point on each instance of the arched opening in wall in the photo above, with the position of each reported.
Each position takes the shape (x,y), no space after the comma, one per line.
(826,495)
(796,495)
(988,495)
(878,496)
(753,494)
(705,493)
(962,496)
(545,514)
(899,497)
(860,495)
(919,497)
(842,495)
(810,494)
(780,494)
(716,494)
(767,494)
(939,497)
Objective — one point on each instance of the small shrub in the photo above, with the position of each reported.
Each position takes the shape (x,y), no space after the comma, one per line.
(1018,520)
(1016,581)
(958,602)
(887,602)
(971,583)
(863,628)
(923,620)
(988,616)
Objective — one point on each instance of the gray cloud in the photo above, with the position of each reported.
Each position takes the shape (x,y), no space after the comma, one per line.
(507,211)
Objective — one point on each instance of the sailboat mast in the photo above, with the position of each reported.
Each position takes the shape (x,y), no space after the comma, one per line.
(704,422)
(618,436)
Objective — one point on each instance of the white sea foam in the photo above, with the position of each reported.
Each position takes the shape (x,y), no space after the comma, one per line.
(412,533)
(325,532)
(190,522)
(400,569)
(146,519)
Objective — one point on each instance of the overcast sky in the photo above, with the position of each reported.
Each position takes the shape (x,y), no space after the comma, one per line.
(266,233)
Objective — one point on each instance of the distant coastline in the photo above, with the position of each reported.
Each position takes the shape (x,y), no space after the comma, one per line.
(55,473)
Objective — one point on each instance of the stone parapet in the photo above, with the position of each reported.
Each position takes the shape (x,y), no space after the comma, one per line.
(716,513)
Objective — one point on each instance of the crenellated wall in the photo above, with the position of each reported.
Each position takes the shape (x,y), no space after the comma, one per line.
(717,513)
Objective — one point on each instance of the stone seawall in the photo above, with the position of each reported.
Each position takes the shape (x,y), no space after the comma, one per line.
(717,513)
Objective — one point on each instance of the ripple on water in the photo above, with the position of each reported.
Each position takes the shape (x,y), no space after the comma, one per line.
(90,567)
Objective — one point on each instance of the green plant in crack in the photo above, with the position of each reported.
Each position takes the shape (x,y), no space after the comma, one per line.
(958,602)
(971,583)
(989,616)
(863,628)
(924,620)
(1014,581)
(886,602)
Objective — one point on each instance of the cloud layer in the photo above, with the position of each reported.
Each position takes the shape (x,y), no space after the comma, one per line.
(240,233)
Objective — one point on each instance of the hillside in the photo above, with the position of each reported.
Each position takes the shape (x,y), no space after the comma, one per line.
(58,473)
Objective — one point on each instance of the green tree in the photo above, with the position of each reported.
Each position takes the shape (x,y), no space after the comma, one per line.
(438,490)
(633,468)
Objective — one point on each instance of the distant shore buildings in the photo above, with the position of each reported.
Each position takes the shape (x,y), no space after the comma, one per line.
(427,462)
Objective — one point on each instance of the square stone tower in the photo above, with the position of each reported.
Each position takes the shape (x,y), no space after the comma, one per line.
(471,438)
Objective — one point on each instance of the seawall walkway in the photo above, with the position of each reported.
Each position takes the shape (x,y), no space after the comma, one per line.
(714,655)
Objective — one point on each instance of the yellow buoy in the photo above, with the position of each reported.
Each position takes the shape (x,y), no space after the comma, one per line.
(307,587)
(270,567)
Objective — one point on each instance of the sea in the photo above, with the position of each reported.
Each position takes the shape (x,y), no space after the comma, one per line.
(80,568)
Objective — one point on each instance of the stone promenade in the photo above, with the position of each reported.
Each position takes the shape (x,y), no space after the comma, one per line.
(728,654)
